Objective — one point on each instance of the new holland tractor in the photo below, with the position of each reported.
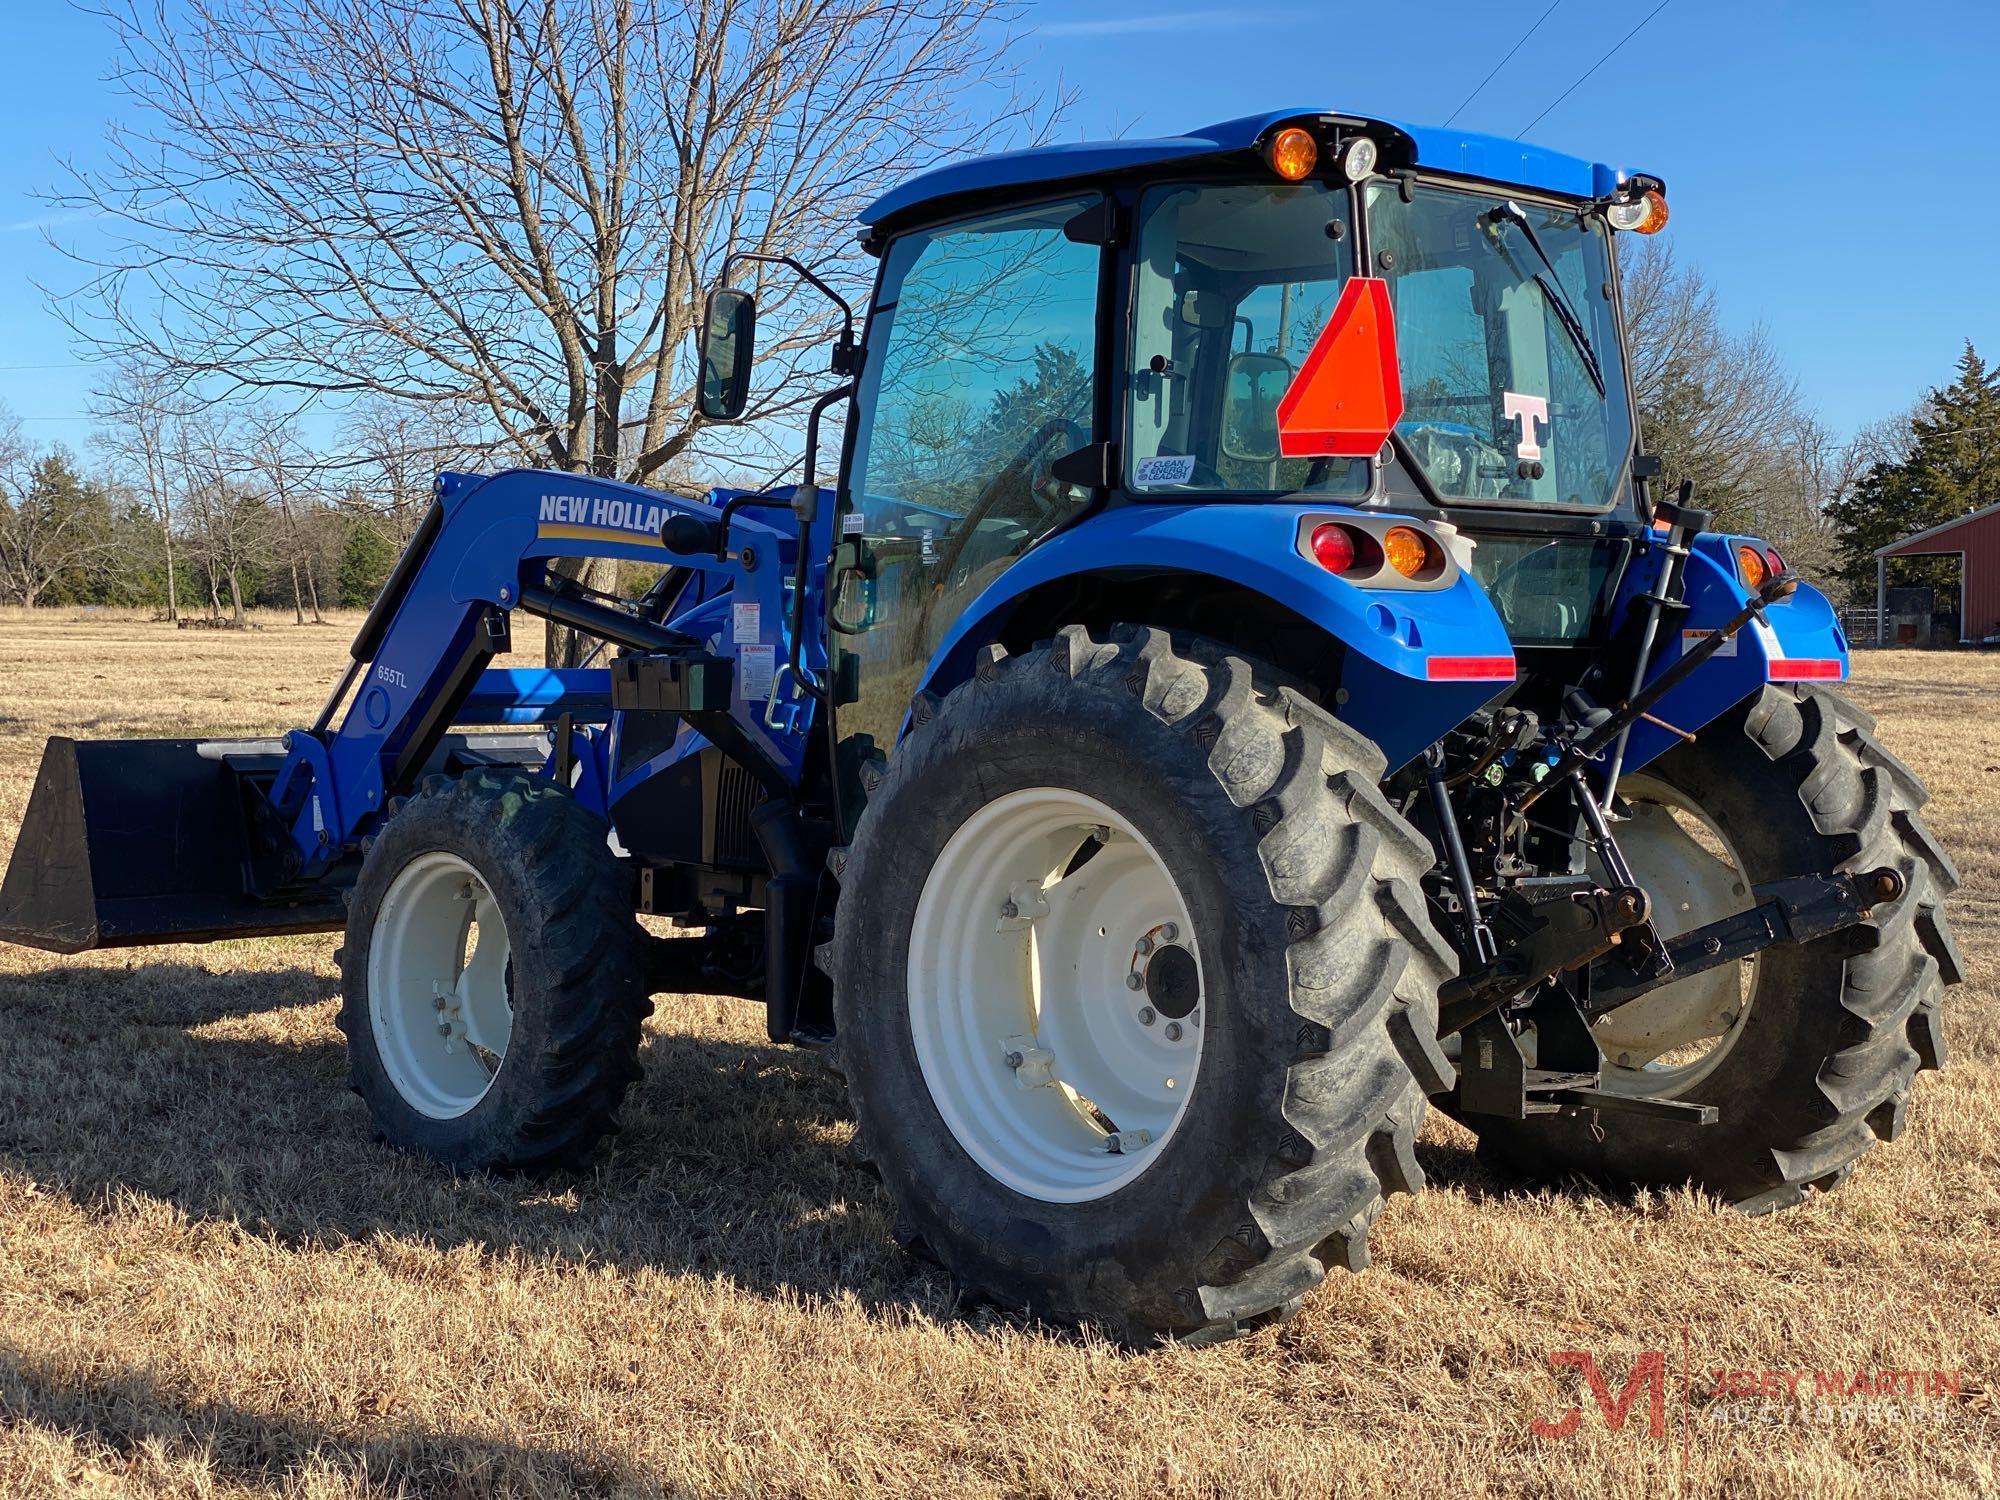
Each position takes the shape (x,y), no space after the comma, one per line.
(1243,686)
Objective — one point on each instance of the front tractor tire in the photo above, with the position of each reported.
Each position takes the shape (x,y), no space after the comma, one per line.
(1135,989)
(493,983)
(1810,1054)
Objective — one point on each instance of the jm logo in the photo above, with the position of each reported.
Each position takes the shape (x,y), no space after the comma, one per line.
(1648,1374)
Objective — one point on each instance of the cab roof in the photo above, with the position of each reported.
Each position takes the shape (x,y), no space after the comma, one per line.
(1489,158)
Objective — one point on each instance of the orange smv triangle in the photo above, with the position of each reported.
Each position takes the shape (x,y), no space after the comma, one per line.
(1348,395)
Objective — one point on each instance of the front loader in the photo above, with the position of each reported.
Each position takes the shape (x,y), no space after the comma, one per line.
(1240,686)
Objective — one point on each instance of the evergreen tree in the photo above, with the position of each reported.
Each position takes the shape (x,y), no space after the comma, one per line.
(1953,469)
(365,560)
(55,539)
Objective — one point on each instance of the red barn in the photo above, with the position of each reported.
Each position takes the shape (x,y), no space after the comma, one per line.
(1974,539)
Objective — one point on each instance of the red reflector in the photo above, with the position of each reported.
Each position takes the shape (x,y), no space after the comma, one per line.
(1348,395)
(1470,669)
(1802,669)
(1333,548)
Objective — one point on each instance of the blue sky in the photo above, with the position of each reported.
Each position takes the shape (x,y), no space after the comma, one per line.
(1830,165)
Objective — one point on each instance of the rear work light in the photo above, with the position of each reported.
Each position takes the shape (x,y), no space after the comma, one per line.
(1333,547)
(1645,214)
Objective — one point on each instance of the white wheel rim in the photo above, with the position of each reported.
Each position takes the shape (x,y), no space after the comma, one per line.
(1693,878)
(1029,1033)
(438,1000)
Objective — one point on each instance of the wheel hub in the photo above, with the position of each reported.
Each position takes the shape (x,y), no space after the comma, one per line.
(1689,869)
(440,978)
(1173,982)
(1055,994)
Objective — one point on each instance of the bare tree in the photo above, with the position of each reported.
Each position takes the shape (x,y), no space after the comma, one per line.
(392,453)
(275,453)
(229,526)
(138,406)
(1808,470)
(513,203)
(1716,406)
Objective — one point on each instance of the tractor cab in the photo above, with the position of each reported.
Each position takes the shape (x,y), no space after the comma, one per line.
(1290,311)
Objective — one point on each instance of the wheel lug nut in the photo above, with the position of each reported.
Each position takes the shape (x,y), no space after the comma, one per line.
(1147,1018)
(1169,932)
(1173,1031)
(1143,946)
(1135,981)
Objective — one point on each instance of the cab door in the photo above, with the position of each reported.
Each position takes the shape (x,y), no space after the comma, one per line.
(981,372)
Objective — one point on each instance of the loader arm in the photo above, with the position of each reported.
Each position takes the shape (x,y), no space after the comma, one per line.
(130,842)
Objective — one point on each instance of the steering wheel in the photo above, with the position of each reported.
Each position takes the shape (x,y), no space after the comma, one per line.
(990,495)
(992,491)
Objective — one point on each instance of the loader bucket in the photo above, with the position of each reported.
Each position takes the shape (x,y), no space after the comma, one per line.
(129,842)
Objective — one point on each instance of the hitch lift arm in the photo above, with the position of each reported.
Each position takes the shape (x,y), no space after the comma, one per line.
(1798,910)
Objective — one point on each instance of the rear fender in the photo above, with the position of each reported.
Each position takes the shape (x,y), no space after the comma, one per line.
(1394,644)
(1798,640)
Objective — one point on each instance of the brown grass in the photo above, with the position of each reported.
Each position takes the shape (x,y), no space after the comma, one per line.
(212,1283)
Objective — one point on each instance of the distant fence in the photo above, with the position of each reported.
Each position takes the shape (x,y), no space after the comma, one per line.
(1858,624)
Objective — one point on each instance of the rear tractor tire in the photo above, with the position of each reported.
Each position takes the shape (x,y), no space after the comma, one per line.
(493,983)
(1809,1054)
(1135,987)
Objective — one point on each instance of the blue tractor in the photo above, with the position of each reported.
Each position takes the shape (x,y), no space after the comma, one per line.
(1242,686)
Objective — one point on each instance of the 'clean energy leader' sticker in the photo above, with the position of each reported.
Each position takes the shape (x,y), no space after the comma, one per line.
(1168,468)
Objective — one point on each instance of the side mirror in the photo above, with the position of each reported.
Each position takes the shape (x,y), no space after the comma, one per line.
(728,347)
(1251,392)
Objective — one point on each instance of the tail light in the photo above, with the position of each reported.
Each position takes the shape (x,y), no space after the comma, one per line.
(1751,567)
(1333,547)
(1777,563)
(1409,551)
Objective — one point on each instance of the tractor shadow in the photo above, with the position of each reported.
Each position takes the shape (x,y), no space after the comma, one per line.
(1459,1166)
(231,1102)
(147,1426)
(225,1094)
(176,995)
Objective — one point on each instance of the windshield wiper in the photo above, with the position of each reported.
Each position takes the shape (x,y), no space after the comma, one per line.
(1552,293)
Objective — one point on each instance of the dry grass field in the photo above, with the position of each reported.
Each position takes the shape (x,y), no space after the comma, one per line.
(212,1283)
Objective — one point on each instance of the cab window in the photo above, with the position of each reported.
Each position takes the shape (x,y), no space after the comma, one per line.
(1235,283)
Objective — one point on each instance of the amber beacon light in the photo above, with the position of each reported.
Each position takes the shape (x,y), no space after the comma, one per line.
(1293,153)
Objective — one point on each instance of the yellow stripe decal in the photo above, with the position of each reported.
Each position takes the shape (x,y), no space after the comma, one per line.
(597,534)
